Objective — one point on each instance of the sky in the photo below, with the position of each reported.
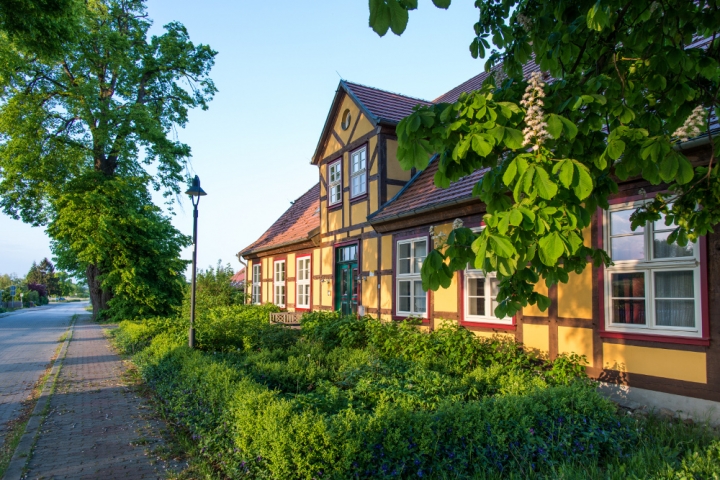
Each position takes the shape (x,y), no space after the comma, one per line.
(277,69)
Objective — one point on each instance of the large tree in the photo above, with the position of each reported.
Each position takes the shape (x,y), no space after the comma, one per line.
(83,138)
(42,27)
(626,81)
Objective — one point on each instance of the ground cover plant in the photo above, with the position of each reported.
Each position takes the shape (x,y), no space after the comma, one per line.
(358,398)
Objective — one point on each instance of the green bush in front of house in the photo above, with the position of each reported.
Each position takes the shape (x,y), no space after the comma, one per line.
(358,398)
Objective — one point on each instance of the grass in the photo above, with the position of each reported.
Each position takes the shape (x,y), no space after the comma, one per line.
(16,428)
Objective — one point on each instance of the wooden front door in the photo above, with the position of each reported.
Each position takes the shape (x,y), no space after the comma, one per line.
(346,274)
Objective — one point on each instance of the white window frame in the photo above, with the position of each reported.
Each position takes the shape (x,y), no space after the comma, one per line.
(648,267)
(302,280)
(358,170)
(257,284)
(473,273)
(335,182)
(279,286)
(411,277)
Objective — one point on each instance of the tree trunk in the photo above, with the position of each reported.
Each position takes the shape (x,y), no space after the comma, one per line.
(98,297)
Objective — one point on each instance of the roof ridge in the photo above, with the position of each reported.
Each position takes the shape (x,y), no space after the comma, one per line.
(386,91)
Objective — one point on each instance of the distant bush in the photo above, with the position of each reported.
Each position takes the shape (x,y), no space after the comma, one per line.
(214,289)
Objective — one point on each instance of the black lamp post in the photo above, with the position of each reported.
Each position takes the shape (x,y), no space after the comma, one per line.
(195,193)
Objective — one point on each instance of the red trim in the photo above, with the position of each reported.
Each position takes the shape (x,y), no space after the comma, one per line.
(703,340)
(395,316)
(656,338)
(298,257)
(469,323)
(366,146)
(333,206)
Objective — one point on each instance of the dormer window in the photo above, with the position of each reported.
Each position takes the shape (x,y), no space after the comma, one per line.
(358,172)
(335,182)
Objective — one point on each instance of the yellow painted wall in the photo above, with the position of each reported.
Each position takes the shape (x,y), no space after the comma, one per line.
(394,170)
(386,292)
(290,268)
(369,254)
(335,220)
(502,335)
(347,104)
(316,292)
(327,260)
(372,147)
(325,299)
(345,209)
(446,299)
(369,292)
(373,195)
(392,190)
(658,362)
(354,233)
(387,252)
(536,337)
(533,310)
(359,212)
(576,340)
(575,297)
(316,257)
(332,146)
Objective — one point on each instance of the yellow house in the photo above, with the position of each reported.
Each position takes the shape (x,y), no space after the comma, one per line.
(356,240)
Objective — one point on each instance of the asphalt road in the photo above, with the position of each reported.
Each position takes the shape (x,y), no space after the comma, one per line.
(28,339)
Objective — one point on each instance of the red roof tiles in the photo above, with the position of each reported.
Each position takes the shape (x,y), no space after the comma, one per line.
(383,105)
(475,83)
(295,225)
(421,195)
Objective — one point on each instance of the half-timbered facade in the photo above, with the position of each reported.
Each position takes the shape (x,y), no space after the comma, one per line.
(355,242)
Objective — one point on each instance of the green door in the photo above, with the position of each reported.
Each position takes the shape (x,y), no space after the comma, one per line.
(346,273)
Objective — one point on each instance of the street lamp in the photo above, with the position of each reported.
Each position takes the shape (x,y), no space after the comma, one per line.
(195,193)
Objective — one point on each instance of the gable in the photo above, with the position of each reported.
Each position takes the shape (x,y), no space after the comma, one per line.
(335,137)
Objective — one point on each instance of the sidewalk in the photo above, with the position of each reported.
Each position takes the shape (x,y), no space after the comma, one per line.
(95,427)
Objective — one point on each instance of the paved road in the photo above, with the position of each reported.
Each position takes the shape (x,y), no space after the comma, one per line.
(28,339)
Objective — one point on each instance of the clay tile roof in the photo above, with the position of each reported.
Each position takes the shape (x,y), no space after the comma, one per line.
(421,194)
(293,226)
(475,83)
(383,105)
(239,277)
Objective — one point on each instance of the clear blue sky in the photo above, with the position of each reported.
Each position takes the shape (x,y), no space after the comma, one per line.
(276,76)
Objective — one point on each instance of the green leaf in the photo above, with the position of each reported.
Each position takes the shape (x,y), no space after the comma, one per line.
(497,132)
(554,125)
(513,138)
(398,17)
(502,246)
(480,146)
(685,171)
(570,129)
(669,167)
(442,3)
(510,173)
(545,187)
(515,217)
(551,249)
(566,173)
(504,224)
(615,148)
(379,16)
(583,183)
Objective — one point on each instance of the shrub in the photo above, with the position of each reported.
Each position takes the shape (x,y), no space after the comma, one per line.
(359,398)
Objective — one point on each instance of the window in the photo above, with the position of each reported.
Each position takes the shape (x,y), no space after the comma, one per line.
(481,297)
(256,284)
(358,179)
(302,282)
(279,283)
(335,182)
(653,287)
(345,123)
(411,298)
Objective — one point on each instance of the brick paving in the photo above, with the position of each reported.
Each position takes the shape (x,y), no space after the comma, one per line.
(97,426)
(28,339)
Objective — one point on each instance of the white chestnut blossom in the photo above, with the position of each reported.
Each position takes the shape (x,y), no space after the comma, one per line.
(524,21)
(438,237)
(535,132)
(691,127)
(457,224)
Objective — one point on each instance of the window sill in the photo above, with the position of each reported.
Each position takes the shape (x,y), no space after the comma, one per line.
(359,198)
(402,316)
(334,206)
(657,338)
(497,326)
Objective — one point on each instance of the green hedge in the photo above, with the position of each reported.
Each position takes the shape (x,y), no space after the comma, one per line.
(357,398)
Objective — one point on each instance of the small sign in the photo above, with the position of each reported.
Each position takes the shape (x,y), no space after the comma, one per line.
(12,290)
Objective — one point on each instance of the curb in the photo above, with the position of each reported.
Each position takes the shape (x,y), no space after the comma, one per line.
(21,456)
